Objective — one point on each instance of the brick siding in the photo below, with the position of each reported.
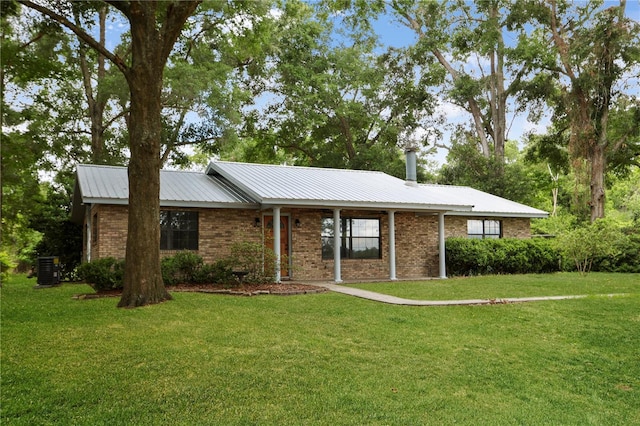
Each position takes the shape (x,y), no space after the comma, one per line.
(416,239)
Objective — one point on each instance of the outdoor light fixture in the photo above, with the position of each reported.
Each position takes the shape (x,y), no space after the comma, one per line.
(256,222)
(298,224)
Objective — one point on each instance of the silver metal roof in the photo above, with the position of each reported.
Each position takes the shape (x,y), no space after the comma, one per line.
(243,185)
(318,187)
(485,204)
(110,185)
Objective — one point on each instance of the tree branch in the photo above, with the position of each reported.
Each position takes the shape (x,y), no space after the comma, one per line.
(117,61)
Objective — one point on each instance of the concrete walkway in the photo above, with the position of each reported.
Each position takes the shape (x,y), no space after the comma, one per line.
(384,298)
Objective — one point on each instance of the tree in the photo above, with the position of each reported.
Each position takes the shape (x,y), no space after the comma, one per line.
(589,50)
(465,43)
(155,27)
(27,51)
(338,103)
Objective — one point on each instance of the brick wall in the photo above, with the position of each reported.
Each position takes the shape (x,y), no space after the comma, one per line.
(512,227)
(416,239)
(218,230)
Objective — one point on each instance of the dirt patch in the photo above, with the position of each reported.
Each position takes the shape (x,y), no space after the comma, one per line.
(282,289)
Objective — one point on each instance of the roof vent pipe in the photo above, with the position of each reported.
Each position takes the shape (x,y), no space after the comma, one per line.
(411,162)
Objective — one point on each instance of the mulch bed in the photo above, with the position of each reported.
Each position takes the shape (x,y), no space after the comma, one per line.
(282,289)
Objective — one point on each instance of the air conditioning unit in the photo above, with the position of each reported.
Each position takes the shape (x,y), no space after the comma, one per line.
(48,271)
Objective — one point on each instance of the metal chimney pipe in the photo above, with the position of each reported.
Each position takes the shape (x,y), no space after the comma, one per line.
(411,163)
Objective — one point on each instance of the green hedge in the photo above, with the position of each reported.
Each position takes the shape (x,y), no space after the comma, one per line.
(102,274)
(626,257)
(467,256)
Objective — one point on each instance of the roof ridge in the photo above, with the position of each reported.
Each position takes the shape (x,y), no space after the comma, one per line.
(299,167)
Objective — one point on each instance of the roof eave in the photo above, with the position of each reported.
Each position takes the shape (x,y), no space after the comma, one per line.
(341,204)
(533,215)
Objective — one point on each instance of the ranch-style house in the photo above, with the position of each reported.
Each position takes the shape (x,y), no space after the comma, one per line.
(387,228)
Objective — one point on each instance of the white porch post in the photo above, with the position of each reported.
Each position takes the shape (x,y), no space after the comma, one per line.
(337,244)
(441,252)
(392,245)
(276,241)
(89,228)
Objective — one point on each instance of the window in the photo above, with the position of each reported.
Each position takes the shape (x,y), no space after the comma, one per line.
(360,238)
(178,230)
(484,229)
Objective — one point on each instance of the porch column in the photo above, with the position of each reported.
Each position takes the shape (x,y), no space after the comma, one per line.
(337,245)
(88,229)
(441,253)
(392,245)
(276,241)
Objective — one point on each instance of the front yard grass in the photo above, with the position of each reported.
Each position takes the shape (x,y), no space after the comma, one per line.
(506,286)
(321,359)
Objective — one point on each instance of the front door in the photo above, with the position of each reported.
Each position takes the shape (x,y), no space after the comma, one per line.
(284,240)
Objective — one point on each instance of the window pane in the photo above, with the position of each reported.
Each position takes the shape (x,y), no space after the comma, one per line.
(365,228)
(492,227)
(359,239)
(474,227)
(365,248)
(178,230)
(327,227)
(327,247)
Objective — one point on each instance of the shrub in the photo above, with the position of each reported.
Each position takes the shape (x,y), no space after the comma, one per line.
(500,256)
(103,274)
(181,268)
(219,272)
(626,257)
(257,260)
(600,240)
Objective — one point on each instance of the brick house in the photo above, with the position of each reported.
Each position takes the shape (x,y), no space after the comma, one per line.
(389,228)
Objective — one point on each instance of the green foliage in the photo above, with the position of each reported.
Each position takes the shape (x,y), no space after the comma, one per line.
(186,267)
(600,240)
(257,260)
(103,274)
(626,253)
(60,236)
(326,107)
(181,268)
(6,265)
(219,272)
(514,180)
(466,256)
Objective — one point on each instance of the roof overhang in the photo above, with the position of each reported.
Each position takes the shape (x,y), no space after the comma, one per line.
(342,204)
(542,215)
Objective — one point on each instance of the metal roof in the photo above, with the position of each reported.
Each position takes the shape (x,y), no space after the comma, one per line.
(110,185)
(485,204)
(319,187)
(244,185)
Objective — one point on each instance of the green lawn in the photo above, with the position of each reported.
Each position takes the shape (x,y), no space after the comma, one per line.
(504,286)
(326,359)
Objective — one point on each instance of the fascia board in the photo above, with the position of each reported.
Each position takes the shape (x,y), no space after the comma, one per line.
(542,215)
(170,203)
(363,205)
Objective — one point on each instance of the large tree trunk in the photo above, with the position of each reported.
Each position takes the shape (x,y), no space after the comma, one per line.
(143,283)
(598,168)
(143,279)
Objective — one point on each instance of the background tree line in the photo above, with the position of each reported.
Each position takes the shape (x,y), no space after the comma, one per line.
(313,84)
